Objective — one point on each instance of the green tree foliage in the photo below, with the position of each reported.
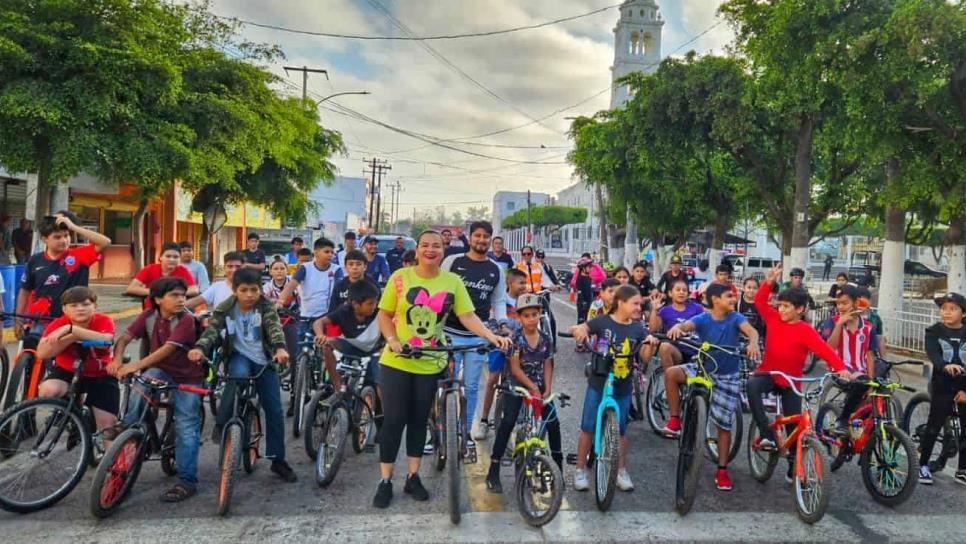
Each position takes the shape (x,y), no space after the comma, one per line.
(545,216)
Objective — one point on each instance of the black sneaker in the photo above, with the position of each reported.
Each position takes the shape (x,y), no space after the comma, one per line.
(383,495)
(284,471)
(493,484)
(415,488)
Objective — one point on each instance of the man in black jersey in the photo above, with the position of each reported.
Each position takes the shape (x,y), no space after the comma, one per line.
(674,274)
(484,279)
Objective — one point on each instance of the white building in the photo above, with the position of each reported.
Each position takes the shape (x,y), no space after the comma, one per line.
(508,202)
(341,206)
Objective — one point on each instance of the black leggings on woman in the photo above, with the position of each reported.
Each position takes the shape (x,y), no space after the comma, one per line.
(511,409)
(940,408)
(406,401)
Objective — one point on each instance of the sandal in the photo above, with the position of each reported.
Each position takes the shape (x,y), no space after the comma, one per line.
(178,492)
(112,432)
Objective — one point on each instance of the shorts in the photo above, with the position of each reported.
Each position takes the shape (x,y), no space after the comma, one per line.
(724,397)
(101,393)
(686,356)
(592,398)
(497,361)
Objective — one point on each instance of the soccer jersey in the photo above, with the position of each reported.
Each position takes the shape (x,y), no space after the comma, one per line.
(46,279)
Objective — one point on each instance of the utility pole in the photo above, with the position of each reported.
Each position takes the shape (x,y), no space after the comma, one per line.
(379,167)
(395,210)
(529,221)
(305,75)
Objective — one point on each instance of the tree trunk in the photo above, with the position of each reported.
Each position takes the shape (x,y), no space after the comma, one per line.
(803,174)
(602,224)
(894,249)
(137,233)
(632,247)
(717,241)
(956,240)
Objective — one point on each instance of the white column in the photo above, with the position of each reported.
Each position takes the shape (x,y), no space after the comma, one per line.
(956,282)
(890,279)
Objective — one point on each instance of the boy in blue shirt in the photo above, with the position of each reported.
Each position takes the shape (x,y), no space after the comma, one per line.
(721,326)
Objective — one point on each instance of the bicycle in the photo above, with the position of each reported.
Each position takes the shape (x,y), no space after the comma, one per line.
(239,438)
(53,437)
(121,465)
(539,481)
(639,381)
(332,416)
(547,325)
(448,428)
(834,394)
(950,438)
(309,374)
(605,453)
(811,500)
(28,370)
(886,454)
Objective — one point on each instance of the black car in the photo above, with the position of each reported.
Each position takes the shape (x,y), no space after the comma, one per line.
(917,269)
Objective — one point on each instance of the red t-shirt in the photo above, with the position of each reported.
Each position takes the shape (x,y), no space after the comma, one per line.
(152,272)
(97,358)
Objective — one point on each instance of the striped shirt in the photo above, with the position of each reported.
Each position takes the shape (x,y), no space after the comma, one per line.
(853,345)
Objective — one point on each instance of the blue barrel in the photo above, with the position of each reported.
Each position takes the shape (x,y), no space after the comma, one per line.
(11,283)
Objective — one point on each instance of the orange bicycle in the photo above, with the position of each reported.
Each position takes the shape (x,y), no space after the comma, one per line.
(811,500)
(27,370)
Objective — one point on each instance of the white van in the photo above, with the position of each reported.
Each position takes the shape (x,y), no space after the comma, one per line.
(757,266)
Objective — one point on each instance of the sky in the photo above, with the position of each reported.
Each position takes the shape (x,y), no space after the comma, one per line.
(461,89)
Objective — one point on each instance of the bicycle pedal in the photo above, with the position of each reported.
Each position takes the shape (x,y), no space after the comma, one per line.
(572,459)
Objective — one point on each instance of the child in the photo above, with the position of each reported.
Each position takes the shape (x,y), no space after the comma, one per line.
(622,275)
(872,316)
(304,256)
(946,348)
(169,266)
(664,316)
(278,279)
(355,322)
(787,345)
(81,322)
(851,337)
(584,290)
(219,291)
(746,305)
(170,331)
(721,326)
(531,366)
(605,300)
(409,258)
(355,270)
(516,286)
(624,331)
(247,327)
(641,279)
(317,280)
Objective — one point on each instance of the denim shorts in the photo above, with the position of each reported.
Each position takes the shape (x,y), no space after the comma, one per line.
(592,398)
(497,361)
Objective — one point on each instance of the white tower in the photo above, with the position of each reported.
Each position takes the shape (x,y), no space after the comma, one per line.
(637,48)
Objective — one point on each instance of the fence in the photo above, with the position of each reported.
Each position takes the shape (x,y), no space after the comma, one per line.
(906,329)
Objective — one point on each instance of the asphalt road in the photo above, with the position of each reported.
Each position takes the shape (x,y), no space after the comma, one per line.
(266,509)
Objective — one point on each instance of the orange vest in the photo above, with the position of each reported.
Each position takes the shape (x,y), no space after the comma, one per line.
(534,274)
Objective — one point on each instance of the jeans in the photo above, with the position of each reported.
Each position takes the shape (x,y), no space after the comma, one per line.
(592,399)
(187,424)
(471,373)
(269,389)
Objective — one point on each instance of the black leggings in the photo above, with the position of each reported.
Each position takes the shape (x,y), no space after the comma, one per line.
(758,386)
(583,306)
(511,409)
(406,401)
(940,408)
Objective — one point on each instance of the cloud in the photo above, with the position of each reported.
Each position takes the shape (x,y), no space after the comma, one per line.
(536,72)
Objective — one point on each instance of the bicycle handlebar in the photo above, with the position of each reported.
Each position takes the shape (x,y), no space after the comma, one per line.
(94,343)
(523,392)
(793,380)
(27,316)
(162,385)
(699,346)
(412,352)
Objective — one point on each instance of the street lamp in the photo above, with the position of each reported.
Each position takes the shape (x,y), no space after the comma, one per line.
(340,94)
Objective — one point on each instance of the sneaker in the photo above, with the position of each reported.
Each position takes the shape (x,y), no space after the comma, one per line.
(414,486)
(960,477)
(428,449)
(624,482)
(767,444)
(722,480)
(925,476)
(383,495)
(673,427)
(790,473)
(493,484)
(581,483)
(482,430)
(284,471)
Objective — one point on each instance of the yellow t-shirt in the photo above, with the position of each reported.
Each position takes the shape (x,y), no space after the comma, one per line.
(421,306)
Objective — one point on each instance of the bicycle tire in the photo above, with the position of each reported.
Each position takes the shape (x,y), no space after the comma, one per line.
(313,428)
(546,469)
(711,440)
(912,427)
(694,415)
(637,396)
(299,393)
(438,434)
(869,459)
(812,471)
(455,458)
(168,444)
(20,423)
(115,475)
(363,422)
(658,411)
(230,457)
(332,447)
(253,435)
(16,384)
(605,467)
(761,464)
(4,371)
(827,416)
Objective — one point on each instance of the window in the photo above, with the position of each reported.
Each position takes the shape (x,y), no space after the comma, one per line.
(117,226)
(510,206)
(88,217)
(576,233)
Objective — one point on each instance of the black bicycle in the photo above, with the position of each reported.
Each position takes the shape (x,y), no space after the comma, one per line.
(309,373)
(239,438)
(121,465)
(950,441)
(46,445)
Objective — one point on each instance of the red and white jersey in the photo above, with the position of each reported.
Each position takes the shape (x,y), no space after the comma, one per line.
(853,345)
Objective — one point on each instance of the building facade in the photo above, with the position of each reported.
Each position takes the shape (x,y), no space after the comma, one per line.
(339,207)
(508,202)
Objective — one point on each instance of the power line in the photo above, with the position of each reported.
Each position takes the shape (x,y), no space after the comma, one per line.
(419,38)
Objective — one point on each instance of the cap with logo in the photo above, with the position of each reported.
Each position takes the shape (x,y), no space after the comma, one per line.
(955,298)
(528,301)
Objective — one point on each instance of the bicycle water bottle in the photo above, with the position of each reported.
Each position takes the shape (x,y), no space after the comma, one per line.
(856,429)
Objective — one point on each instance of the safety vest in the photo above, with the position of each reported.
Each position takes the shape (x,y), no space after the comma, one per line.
(534,272)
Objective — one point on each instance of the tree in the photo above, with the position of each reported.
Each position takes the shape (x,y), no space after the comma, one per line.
(591,163)
(545,216)
(481,213)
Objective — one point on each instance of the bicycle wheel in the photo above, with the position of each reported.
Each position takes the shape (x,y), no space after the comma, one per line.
(438,434)
(711,437)
(637,396)
(811,500)
(364,426)
(44,450)
(19,379)
(230,457)
(605,468)
(761,463)
(332,445)
(300,393)
(694,416)
(915,416)
(316,416)
(658,411)
(889,466)
(455,457)
(540,490)
(117,472)
(825,421)
(4,370)
(253,428)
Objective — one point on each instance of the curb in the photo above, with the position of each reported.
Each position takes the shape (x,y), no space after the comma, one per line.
(9,337)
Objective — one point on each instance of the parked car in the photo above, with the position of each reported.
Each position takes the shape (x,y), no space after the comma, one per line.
(757,266)
(916,268)
(737,264)
(388,241)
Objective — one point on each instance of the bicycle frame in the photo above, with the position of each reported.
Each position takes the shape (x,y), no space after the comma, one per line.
(802,422)
(606,402)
